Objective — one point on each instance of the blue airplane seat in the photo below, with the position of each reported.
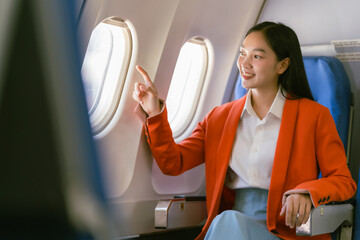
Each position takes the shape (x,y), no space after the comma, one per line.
(330,87)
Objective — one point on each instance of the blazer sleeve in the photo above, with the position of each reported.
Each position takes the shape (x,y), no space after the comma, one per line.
(174,158)
(336,183)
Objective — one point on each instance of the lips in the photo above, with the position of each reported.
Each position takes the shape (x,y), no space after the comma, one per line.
(247,75)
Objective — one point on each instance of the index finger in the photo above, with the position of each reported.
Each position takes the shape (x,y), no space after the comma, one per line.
(145,76)
(289,214)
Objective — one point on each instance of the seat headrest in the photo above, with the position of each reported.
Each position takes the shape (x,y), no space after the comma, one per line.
(330,87)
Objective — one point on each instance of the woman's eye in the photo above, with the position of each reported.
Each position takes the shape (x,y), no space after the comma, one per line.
(257,57)
(242,53)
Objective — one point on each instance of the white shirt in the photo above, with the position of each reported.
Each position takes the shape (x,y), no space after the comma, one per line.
(254,146)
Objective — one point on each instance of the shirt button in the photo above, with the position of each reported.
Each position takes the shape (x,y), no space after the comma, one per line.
(255,150)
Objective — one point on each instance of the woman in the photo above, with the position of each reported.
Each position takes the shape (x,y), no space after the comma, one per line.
(265,149)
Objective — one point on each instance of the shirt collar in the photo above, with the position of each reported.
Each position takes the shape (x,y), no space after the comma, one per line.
(276,108)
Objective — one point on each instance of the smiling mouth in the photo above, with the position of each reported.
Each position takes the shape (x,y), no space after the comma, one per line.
(247,75)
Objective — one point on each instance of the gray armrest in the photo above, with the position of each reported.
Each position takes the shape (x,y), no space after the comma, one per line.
(180,212)
(326,219)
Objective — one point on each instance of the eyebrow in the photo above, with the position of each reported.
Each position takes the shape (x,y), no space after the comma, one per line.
(255,49)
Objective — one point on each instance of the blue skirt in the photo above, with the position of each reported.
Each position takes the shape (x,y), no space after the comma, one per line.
(246,221)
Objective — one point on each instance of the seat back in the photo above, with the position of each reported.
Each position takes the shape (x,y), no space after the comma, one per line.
(50,179)
(330,87)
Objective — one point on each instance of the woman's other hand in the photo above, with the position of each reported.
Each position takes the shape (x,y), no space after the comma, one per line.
(296,209)
(146,94)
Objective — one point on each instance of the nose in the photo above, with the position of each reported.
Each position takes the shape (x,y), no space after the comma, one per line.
(244,62)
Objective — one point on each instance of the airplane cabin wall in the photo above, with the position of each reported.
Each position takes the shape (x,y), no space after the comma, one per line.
(316,22)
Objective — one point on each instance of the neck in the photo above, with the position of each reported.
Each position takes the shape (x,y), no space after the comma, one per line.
(261,101)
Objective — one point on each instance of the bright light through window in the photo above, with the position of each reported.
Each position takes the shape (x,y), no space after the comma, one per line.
(104,69)
(186,85)
(96,61)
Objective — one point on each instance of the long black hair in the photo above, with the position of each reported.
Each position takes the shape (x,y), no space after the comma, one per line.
(284,42)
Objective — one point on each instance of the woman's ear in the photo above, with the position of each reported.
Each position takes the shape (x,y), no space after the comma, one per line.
(284,64)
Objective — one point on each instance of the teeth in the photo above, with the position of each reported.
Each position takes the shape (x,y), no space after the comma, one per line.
(248,74)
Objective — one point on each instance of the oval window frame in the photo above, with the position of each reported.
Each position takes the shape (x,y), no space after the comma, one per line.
(109,93)
(182,105)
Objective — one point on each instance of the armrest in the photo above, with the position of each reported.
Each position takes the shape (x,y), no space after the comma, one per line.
(179,212)
(326,219)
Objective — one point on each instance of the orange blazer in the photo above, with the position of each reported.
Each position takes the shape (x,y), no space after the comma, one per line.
(308,142)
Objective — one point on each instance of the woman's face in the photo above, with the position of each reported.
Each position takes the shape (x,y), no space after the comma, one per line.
(258,64)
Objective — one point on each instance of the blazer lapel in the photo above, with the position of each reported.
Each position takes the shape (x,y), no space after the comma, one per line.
(229,132)
(281,158)
(225,146)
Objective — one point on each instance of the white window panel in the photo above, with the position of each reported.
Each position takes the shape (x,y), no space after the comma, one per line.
(186,85)
(182,101)
(104,69)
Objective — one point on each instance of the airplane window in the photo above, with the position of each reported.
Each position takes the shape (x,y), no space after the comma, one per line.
(186,84)
(104,69)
